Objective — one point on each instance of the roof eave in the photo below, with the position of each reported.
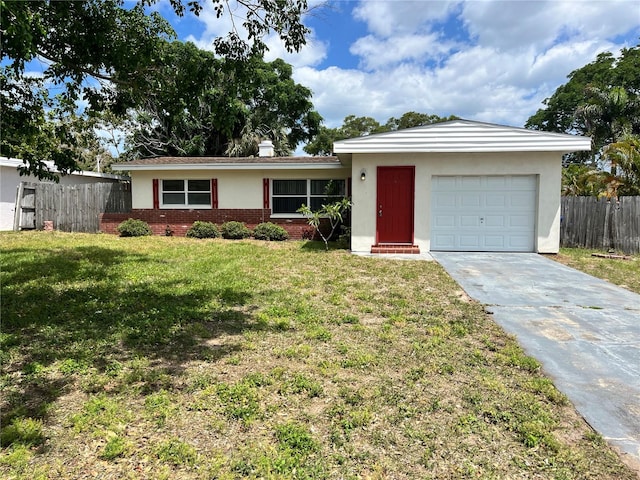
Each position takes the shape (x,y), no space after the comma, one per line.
(228,166)
(342,153)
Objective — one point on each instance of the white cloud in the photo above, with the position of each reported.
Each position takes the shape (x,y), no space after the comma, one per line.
(215,27)
(390,17)
(377,53)
(519,53)
(311,54)
(553,65)
(511,25)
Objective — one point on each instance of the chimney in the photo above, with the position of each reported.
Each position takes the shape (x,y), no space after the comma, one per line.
(265,148)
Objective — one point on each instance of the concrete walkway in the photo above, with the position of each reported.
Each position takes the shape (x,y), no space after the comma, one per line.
(584,331)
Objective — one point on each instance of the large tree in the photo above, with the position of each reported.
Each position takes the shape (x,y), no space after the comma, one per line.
(353,127)
(90,46)
(604,85)
(415,119)
(600,100)
(207,105)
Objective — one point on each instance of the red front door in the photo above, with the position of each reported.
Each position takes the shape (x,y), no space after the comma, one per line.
(394,210)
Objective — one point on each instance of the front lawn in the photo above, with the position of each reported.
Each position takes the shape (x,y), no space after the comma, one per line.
(622,272)
(164,357)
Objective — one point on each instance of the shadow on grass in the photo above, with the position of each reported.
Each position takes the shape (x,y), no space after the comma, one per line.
(318,246)
(86,310)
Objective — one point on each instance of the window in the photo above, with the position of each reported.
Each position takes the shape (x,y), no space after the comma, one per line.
(192,193)
(289,195)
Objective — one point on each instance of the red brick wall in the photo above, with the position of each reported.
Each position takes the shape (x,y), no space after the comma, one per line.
(179,221)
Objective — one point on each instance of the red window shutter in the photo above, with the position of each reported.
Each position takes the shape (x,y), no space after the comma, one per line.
(214,193)
(156,194)
(265,193)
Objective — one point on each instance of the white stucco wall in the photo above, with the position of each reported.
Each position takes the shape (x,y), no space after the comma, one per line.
(546,166)
(236,188)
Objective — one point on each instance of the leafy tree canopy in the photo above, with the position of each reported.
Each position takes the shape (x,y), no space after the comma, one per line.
(208,105)
(91,46)
(624,155)
(598,100)
(352,127)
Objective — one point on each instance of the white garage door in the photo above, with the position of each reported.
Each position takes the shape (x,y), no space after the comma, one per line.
(483,213)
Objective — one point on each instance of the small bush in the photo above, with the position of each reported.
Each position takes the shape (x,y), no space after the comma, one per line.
(270,231)
(201,229)
(235,230)
(134,228)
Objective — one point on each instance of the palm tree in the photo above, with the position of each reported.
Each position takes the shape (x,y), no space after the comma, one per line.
(625,154)
(250,137)
(608,114)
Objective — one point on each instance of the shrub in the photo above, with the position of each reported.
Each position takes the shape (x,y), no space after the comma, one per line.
(134,228)
(235,230)
(270,231)
(333,212)
(201,229)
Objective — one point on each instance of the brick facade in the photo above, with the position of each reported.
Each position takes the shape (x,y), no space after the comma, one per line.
(179,221)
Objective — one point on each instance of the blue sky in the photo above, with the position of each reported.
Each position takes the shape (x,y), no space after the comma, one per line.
(493,61)
(486,60)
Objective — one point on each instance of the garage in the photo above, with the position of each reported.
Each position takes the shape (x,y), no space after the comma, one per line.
(476,187)
(492,213)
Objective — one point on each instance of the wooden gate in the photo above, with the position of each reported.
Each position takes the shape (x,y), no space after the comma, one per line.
(25,211)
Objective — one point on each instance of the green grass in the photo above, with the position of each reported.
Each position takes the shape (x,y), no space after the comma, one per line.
(162,357)
(625,273)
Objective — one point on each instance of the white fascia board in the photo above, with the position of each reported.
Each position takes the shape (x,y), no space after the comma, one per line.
(15,162)
(461,149)
(534,145)
(11,162)
(231,166)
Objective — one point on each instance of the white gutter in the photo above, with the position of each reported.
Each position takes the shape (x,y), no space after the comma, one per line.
(230,166)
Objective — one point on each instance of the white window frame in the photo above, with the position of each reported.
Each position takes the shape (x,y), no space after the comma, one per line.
(185,192)
(308,194)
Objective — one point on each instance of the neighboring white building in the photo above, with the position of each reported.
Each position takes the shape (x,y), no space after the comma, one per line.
(10,180)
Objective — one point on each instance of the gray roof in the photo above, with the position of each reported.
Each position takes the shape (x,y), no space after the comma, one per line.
(227,163)
(463,136)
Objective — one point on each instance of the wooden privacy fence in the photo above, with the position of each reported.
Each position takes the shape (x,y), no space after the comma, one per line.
(71,208)
(601,223)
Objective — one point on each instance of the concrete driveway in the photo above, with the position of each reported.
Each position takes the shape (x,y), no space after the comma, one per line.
(584,331)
